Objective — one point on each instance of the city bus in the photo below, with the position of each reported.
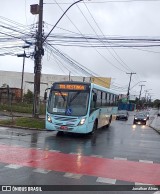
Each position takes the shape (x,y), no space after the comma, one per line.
(79,107)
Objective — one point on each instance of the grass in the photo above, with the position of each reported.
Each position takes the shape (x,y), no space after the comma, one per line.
(21,108)
(25,122)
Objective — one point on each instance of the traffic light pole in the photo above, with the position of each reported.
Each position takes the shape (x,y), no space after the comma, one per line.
(37,63)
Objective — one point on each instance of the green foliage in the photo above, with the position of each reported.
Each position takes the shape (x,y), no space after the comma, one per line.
(156,103)
(22,107)
(28,97)
(25,122)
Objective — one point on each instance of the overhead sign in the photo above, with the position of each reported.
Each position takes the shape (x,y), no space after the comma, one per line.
(102,81)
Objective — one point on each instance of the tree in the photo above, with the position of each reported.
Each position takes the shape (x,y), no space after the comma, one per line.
(28,97)
(156,103)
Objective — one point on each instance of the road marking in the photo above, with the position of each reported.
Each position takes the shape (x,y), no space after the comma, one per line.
(106,180)
(39,170)
(142,184)
(73,153)
(117,158)
(71,175)
(54,151)
(98,156)
(123,170)
(157,192)
(146,161)
(14,166)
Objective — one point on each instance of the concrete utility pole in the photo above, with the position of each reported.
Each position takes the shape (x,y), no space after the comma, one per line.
(38,53)
(129,84)
(140,92)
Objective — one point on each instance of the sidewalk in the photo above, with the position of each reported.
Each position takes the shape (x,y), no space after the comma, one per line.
(155,123)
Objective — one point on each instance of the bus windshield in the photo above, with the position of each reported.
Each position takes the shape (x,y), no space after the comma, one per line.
(71,103)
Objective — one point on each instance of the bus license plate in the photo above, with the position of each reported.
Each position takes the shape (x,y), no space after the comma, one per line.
(63,127)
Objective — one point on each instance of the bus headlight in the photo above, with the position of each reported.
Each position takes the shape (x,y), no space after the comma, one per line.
(82,121)
(49,119)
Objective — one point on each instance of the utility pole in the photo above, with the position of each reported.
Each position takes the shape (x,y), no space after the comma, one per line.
(24,56)
(129,84)
(38,53)
(140,92)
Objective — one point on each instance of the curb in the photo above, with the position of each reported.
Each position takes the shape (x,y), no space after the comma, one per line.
(158,131)
(19,127)
(150,125)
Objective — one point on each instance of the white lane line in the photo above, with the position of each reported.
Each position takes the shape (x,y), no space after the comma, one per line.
(118,158)
(106,180)
(157,192)
(39,170)
(146,161)
(71,175)
(142,183)
(14,166)
(98,156)
(72,153)
(53,150)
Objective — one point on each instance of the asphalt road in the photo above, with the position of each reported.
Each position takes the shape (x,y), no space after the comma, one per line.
(123,154)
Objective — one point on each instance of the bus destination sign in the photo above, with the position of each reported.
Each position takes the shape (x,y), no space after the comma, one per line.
(71,87)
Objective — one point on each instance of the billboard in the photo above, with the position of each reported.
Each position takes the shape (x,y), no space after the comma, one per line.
(102,81)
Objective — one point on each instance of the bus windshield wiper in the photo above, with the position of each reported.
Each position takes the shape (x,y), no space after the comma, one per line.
(75,96)
(62,95)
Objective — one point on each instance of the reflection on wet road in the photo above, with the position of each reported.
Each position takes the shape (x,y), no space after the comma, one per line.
(121,154)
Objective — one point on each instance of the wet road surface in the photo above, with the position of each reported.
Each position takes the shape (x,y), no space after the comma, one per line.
(120,155)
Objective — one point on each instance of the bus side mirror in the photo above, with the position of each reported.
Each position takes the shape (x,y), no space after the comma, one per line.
(95,97)
(45,95)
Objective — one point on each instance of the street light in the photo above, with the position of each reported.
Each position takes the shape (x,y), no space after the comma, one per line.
(137,84)
(24,56)
(61,18)
(146,91)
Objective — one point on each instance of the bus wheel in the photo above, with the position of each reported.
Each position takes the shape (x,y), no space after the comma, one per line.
(60,133)
(94,127)
(110,120)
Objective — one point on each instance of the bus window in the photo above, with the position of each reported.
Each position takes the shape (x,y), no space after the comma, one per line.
(93,101)
(104,99)
(99,99)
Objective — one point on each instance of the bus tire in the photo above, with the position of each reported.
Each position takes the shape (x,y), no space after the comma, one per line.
(59,133)
(94,126)
(110,120)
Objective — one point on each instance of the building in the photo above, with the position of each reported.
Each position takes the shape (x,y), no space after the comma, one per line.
(10,94)
(13,79)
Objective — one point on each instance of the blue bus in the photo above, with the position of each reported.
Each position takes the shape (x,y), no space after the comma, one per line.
(79,107)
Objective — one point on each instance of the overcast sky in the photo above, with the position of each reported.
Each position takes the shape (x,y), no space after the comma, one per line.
(96,18)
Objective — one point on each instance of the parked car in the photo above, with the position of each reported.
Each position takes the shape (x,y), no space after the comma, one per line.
(122,115)
(140,118)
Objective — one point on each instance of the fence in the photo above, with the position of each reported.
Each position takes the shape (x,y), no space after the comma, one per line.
(11,104)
